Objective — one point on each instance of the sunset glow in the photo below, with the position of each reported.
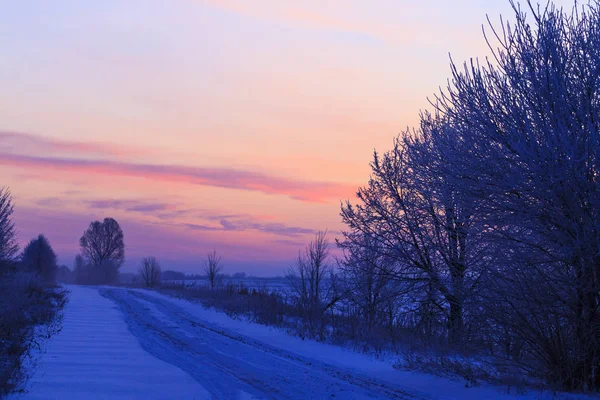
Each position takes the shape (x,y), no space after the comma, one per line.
(212,124)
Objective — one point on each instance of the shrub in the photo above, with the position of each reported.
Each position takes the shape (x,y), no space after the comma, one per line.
(29,311)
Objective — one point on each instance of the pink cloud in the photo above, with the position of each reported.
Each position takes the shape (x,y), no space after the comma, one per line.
(309,191)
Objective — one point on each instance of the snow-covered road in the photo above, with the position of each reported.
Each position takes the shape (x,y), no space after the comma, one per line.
(119,343)
(230,365)
(95,356)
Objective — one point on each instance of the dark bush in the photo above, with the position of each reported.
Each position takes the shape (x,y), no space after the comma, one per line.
(29,312)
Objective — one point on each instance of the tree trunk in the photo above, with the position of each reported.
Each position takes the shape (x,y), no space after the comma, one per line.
(455,323)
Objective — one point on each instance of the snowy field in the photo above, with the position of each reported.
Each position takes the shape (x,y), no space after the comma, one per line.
(280,285)
(118,343)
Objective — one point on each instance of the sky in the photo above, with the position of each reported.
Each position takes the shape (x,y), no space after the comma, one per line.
(232,125)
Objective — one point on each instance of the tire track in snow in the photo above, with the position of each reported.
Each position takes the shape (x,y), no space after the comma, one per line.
(228,364)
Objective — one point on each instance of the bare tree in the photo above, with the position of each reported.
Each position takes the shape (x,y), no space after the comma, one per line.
(103,249)
(371,281)
(313,282)
(150,272)
(8,234)
(213,265)
(419,222)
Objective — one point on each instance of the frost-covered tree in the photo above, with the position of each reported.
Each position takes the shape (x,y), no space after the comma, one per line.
(39,258)
(371,283)
(491,209)
(8,234)
(530,121)
(419,221)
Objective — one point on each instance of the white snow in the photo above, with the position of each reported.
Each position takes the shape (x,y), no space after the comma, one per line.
(96,357)
(433,386)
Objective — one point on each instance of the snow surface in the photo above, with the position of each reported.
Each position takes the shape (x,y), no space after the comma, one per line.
(120,343)
(422,384)
(96,357)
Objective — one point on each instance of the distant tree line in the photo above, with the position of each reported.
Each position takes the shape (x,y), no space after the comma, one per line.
(170,275)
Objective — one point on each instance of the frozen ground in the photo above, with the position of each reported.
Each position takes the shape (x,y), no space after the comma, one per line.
(177,349)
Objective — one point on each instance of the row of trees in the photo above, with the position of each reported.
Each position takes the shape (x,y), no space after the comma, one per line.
(482,226)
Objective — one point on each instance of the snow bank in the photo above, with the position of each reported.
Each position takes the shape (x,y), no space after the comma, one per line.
(96,357)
